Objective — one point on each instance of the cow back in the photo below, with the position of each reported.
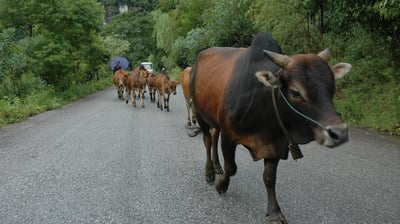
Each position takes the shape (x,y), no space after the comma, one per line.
(210,77)
(120,77)
(130,80)
(161,81)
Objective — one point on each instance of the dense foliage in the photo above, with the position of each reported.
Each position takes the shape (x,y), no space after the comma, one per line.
(52,46)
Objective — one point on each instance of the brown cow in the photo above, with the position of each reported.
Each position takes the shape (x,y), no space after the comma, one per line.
(165,87)
(119,82)
(267,102)
(151,85)
(184,78)
(136,81)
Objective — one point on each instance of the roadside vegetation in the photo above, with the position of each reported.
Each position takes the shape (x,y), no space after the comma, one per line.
(53,52)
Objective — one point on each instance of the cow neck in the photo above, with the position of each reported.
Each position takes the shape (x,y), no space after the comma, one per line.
(293,148)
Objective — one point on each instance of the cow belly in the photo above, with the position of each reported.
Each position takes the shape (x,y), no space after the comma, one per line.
(260,149)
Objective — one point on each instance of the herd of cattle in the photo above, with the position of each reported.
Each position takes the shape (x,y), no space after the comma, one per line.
(262,99)
(137,81)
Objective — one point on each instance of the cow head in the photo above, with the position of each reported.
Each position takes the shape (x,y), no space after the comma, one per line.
(306,85)
(172,87)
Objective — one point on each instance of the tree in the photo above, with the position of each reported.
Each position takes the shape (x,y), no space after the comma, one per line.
(136,28)
(185,50)
(63,36)
(13,61)
(231,27)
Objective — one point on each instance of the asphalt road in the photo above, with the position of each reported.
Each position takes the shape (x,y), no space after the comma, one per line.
(99,160)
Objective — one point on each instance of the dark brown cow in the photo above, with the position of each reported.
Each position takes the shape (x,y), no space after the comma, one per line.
(184,78)
(119,82)
(267,102)
(165,87)
(136,81)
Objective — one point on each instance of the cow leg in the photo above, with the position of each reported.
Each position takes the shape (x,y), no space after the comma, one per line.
(142,98)
(209,169)
(158,99)
(228,151)
(274,214)
(214,144)
(127,95)
(150,94)
(166,101)
(120,92)
(154,96)
(189,123)
(133,97)
(193,112)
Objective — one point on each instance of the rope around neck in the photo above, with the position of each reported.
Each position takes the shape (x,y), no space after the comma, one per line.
(301,114)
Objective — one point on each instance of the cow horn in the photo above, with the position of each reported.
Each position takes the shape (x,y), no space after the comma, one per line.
(325,55)
(279,59)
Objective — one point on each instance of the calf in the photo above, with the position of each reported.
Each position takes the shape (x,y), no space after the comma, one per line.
(136,82)
(164,86)
(119,82)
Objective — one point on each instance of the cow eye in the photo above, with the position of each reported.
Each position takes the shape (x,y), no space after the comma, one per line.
(294,93)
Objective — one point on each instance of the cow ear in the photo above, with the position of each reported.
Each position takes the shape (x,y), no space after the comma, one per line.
(340,69)
(268,78)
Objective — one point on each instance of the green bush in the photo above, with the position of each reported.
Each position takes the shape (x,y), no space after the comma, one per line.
(369,96)
(41,97)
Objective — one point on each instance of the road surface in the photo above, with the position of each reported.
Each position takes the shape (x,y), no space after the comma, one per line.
(99,160)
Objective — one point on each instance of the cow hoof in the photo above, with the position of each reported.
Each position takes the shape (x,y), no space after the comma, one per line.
(210,179)
(276,219)
(168,110)
(126,102)
(191,133)
(143,106)
(218,169)
(222,185)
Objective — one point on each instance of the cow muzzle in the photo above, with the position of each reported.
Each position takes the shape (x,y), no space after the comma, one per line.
(335,135)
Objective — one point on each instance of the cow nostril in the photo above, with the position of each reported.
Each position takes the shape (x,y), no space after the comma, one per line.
(333,134)
(338,134)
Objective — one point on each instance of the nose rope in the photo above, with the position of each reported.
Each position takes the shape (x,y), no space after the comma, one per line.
(294,148)
(301,114)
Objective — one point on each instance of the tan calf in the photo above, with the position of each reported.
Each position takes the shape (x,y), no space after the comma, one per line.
(164,86)
(119,82)
(135,82)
